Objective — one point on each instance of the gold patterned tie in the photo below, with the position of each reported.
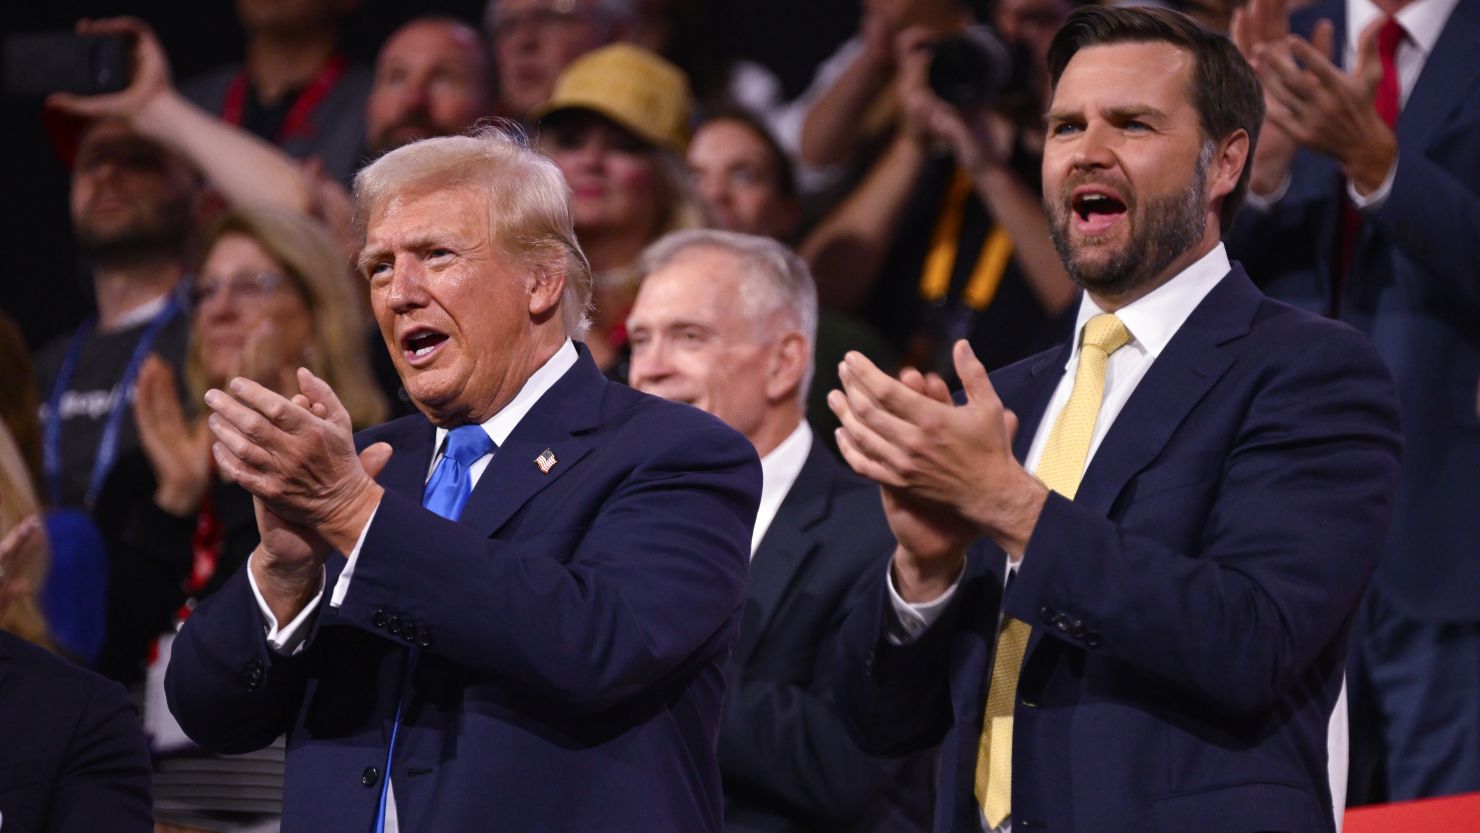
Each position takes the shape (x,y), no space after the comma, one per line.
(1059,469)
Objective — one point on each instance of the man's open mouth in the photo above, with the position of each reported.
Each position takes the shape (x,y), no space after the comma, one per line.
(1096,209)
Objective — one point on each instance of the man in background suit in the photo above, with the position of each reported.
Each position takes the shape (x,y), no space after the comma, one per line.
(1131,613)
(1370,179)
(726,322)
(541,584)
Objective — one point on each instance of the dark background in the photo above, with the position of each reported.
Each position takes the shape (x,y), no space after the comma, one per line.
(44,287)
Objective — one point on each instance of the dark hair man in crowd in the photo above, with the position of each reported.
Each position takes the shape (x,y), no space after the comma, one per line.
(540,589)
(1127,567)
(432,78)
(132,204)
(726,322)
(1371,183)
(533,41)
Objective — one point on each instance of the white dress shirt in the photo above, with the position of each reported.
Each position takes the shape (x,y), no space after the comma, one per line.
(1152,321)
(779,470)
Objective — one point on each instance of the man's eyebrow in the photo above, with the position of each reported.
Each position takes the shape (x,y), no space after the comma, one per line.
(1133,111)
(1063,115)
(369,255)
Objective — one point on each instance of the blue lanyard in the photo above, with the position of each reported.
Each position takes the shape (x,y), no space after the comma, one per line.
(108,445)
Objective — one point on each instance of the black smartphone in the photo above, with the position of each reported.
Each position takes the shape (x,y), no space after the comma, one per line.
(39,63)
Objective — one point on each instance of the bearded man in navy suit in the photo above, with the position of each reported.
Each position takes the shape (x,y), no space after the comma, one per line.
(541,573)
(1127,567)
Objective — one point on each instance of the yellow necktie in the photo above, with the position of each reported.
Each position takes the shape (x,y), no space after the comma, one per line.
(1059,469)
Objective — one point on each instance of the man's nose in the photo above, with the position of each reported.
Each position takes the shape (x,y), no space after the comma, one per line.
(649,366)
(713,189)
(1093,148)
(407,288)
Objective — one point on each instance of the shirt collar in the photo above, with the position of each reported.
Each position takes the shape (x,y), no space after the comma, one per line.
(1423,21)
(502,424)
(1154,318)
(142,313)
(780,468)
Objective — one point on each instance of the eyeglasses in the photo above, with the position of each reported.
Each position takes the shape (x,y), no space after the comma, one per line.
(244,287)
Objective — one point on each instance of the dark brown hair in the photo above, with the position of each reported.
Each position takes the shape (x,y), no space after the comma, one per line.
(1225,91)
(786,178)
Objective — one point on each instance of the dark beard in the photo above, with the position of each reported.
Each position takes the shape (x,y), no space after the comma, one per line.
(1173,225)
(162,233)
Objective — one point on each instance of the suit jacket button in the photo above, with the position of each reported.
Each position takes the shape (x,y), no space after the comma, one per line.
(1092,640)
(369,776)
(1046,613)
(424,639)
(378,620)
(394,626)
(1061,625)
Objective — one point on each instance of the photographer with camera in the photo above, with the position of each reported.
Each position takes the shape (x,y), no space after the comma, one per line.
(945,238)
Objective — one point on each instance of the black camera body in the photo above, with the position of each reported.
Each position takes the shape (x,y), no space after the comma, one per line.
(974,68)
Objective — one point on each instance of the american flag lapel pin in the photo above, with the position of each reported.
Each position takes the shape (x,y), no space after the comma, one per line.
(546,461)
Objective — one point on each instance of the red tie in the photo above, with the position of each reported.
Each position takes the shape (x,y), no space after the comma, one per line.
(1385,100)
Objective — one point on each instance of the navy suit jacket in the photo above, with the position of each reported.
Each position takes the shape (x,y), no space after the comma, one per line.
(73,758)
(1189,607)
(571,629)
(1414,289)
(784,750)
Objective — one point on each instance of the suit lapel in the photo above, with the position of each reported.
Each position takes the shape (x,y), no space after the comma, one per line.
(406,472)
(556,422)
(1184,372)
(791,537)
(1028,396)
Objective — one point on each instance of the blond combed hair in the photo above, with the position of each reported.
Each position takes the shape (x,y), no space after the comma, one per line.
(317,270)
(528,202)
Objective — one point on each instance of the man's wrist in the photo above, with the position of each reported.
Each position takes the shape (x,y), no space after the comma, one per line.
(918,580)
(1013,514)
(1369,165)
(286,589)
(343,527)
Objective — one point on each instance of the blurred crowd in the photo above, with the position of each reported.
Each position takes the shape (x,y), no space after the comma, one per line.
(897,204)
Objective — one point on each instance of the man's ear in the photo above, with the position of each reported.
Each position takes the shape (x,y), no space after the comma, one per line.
(545,288)
(1227,165)
(789,360)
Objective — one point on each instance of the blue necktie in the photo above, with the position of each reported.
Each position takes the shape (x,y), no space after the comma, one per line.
(451,483)
(446,494)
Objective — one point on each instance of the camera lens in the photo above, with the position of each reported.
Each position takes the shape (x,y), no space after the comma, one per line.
(971,69)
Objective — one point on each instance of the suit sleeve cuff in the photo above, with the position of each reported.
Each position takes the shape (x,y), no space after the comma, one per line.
(1264,202)
(287,640)
(1373,201)
(341,587)
(911,620)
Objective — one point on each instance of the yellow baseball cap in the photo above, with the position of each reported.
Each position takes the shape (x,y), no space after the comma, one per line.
(638,90)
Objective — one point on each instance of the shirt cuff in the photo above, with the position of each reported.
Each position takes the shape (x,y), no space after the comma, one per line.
(1374,200)
(911,620)
(1263,202)
(341,587)
(287,640)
